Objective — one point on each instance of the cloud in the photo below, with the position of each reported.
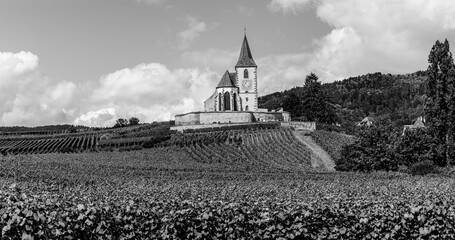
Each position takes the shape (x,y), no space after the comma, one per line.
(281,72)
(193,31)
(102,118)
(27,96)
(151,92)
(288,6)
(370,36)
(392,36)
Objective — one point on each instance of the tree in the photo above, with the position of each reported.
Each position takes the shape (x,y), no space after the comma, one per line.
(440,105)
(134,121)
(121,122)
(291,103)
(418,145)
(315,105)
(372,151)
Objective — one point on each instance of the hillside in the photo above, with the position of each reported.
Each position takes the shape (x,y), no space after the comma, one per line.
(397,97)
(264,147)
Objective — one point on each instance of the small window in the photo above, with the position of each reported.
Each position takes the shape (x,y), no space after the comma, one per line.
(245,73)
(246,108)
(246,99)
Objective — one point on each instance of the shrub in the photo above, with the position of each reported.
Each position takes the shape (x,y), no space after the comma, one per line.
(423,168)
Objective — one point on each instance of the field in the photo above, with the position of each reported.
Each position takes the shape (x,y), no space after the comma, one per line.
(332,142)
(243,184)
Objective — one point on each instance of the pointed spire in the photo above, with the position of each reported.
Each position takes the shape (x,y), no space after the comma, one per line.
(226,81)
(245,58)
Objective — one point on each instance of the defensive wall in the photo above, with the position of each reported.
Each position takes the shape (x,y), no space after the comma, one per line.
(300,126)
(197,118)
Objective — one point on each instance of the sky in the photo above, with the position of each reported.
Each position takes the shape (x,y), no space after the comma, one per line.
(90,62)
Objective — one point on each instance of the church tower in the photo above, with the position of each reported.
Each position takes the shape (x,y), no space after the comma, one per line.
(246,71)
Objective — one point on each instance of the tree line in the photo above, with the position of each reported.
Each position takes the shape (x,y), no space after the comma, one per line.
(383,147)
(393,101)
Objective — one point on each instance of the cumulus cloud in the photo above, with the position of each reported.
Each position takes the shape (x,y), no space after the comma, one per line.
(192,32)
(151,92)
(281,72)
(27,96)
(102,118)
(371,36)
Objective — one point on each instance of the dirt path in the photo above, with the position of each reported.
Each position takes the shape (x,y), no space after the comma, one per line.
(319,157)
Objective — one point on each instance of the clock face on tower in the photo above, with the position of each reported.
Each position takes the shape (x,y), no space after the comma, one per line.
(247,85)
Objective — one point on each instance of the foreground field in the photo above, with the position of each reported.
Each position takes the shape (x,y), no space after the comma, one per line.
(164,193)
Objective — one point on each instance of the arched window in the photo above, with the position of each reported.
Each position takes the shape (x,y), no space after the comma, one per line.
(227,101)
(245,73)
(235,102)
(246,108)
(219,102)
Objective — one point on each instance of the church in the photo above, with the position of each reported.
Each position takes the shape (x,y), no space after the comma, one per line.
(235,99)
(237,91)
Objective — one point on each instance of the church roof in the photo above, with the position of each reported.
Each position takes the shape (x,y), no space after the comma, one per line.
(228,80)
(245,58)
(233,76)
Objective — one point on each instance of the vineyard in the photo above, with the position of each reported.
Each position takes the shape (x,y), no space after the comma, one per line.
(332,142)
(228,183)
(84,141)
(164,193)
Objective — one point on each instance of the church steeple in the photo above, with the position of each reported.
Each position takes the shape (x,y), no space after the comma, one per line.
(245,58)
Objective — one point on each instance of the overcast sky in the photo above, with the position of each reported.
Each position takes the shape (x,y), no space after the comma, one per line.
(90,62)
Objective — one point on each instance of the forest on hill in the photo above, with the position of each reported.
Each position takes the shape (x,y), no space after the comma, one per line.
(390,101)
(399,98)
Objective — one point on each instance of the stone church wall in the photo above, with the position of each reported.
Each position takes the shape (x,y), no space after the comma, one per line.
(195,118)
(187,119)
(225,117)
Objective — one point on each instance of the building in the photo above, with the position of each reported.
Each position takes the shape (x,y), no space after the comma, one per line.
(367,121)
(235,98)
(237,91)
(419,123)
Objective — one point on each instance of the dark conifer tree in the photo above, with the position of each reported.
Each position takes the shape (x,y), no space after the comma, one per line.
(315,105)
(440,105)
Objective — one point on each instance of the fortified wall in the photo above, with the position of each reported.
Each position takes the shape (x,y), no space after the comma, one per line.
(195,118)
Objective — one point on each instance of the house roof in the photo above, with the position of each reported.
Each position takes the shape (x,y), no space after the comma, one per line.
(366,121)
(245,58)
(227,80)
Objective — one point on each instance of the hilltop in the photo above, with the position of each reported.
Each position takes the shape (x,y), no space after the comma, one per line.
(397,97)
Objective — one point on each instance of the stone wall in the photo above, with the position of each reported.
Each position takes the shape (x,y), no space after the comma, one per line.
(187,119)
(272,116)
(194,118)
(310,126)
(225,117)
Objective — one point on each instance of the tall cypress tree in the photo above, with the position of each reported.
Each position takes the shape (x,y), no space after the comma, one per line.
(440,106)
